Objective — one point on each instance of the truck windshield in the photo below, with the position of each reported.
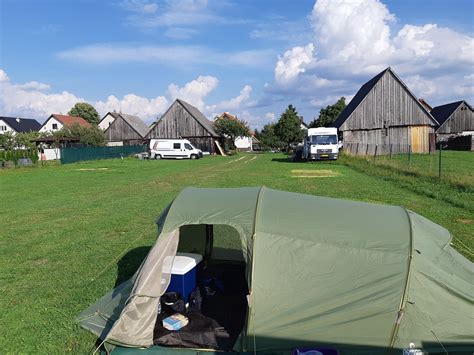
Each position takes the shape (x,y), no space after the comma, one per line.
(324,139)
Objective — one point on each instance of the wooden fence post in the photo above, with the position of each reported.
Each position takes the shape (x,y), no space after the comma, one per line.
(367,150)
(439,164)
(409,155)
(375,154)
(357,148)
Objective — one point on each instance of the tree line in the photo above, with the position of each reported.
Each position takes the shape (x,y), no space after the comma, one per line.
(288,129)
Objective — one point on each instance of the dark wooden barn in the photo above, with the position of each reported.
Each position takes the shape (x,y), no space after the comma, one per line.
(454,119)
(183,120)
(385,116)
(123,129)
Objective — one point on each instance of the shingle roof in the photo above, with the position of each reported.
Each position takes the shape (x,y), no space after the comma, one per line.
(441,113)
(71,120)
(365,89)
(198,116)
(22,124)
(135,122)
(357,99)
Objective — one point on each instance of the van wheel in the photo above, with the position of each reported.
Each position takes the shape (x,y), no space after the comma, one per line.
(193,156)
(158,157)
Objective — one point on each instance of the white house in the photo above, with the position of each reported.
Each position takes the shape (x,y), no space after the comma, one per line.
(18,125)
(55,122)
(107,120)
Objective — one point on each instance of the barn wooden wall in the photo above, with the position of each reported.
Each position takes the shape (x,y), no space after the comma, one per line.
(387,103)
(120,130)
(177,122)
(394,139)
(461,120)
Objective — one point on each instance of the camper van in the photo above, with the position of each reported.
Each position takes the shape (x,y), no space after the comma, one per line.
(321,143)
(174,149)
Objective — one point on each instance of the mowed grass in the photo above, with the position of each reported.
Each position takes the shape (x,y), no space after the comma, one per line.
(66,230)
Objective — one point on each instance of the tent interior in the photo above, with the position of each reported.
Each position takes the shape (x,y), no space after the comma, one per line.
(222,282)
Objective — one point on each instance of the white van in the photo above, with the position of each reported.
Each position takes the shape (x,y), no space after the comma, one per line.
(173,148)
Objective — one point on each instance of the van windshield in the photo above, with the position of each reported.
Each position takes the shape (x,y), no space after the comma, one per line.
(324,139)
(188,146)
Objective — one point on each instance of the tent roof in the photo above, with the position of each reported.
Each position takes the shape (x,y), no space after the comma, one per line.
(294,215)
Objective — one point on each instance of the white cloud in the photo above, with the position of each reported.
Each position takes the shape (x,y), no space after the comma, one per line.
(355,40)
(3,76)
(34,85)
(149,15)
(270,116)
(195,91)
(180,32)
(140,6)
(234,103)
(31,100)
(292,63)
(133,105)
(166,55)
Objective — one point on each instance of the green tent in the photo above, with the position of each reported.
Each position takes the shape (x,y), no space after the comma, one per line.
(355,276)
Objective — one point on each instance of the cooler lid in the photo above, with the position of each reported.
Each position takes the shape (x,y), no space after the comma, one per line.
(184,262)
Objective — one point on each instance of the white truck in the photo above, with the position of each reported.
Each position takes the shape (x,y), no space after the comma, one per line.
(321,143)
(174,149)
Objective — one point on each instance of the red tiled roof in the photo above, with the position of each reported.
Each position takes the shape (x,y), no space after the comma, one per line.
(68,121)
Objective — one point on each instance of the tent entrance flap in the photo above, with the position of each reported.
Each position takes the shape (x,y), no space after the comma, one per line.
(222,287)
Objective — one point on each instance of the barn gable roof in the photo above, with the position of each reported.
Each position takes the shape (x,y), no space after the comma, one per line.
(198,116)
(364,91)
(135,122)
(442,112)
(22,124)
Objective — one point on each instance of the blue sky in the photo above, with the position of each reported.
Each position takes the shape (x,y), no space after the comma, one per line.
(251,58)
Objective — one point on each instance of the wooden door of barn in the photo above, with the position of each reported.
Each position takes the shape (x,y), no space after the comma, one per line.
(419,138)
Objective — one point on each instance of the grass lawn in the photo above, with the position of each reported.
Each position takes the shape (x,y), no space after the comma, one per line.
(65,230)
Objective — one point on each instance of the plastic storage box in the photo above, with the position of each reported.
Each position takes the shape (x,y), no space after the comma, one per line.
(183,274)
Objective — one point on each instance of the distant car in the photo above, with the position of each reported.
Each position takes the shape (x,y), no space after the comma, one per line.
(173,149)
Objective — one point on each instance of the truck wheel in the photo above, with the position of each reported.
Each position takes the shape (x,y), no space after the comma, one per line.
(193,156)
(157,156)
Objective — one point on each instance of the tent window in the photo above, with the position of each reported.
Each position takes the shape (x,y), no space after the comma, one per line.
(219,242)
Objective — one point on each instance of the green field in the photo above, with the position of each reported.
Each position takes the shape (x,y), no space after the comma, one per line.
(69,233)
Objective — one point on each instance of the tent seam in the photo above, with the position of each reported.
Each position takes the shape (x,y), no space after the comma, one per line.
(401,309)
(252,300)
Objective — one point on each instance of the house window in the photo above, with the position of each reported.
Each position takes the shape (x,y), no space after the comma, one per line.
(176,145)
(3,128)
(55,126)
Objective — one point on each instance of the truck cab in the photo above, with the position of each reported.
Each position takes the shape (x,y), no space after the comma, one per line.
(321,144)
(173,149)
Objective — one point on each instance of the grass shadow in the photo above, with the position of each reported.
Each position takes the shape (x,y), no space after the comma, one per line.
(129,263)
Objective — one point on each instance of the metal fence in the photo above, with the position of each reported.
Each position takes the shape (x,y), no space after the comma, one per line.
(448,165)
(75,154)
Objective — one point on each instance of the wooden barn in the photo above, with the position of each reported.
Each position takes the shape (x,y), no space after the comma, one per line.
(183,120)
(122,129)
(456,118)
(385,116)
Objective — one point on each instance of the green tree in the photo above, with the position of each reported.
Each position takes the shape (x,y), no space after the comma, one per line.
(89,136)
(288,128)
(268,138)
(86,111)
(329,114)
(231,128)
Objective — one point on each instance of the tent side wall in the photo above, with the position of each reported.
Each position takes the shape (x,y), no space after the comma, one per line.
(439,308)
(311,283)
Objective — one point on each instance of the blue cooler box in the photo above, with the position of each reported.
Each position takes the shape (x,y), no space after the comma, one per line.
(183,274)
